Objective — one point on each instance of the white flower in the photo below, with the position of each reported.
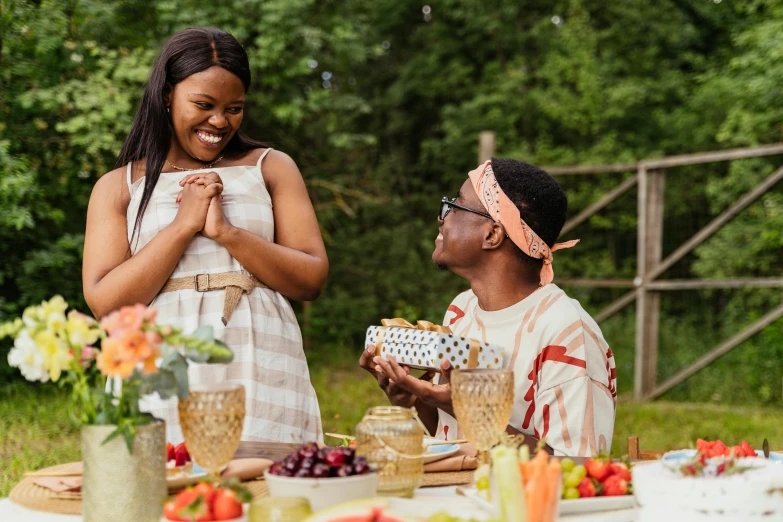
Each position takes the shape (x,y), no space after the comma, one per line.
(26,356)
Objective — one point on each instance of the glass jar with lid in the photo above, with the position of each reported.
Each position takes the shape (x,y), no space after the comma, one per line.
(391,438)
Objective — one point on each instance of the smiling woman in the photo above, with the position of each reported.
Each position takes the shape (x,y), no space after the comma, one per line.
(189,223)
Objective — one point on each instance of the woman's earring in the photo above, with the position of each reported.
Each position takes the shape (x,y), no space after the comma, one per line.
(168,109)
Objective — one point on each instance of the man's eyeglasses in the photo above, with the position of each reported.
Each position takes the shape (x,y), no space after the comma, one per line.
(446,204)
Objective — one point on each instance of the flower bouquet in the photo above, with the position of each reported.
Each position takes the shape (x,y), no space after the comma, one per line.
(110,365)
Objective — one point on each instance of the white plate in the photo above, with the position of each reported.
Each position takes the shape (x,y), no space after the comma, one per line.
(579,506)
(688,454)
(182,480)
(438,452)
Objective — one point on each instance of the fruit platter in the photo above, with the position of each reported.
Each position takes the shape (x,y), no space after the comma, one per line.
(713,482)
(181,471)
(600,484)
(717,448)
(207,502)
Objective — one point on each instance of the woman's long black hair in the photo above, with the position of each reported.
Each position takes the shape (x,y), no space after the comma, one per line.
(186,53)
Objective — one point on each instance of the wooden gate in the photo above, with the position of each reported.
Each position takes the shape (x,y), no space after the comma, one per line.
(645,288)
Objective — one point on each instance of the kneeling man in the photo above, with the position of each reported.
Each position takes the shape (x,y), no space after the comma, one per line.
(499,233)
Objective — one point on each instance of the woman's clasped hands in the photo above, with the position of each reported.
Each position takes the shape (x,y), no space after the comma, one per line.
(200,205)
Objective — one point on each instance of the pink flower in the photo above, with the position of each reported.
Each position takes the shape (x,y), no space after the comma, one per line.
(154,338)
(127,319)
(88,353)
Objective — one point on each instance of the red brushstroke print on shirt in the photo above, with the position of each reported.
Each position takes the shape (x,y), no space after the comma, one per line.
(546,420)
(458,314)
(550,353)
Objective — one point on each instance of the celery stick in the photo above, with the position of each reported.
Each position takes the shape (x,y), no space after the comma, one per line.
(524,453)
(508,481)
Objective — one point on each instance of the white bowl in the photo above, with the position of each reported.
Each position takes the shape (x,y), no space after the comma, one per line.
(324,492)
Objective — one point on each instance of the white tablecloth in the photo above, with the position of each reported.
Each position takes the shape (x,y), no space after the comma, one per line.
(431,499)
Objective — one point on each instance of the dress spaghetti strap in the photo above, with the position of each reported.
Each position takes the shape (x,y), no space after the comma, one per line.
(129,176)
(260,160)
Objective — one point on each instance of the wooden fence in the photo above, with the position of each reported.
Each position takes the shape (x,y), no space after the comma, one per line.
(645,288)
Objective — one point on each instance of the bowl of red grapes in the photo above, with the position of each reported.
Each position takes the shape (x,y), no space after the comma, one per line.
(325,476)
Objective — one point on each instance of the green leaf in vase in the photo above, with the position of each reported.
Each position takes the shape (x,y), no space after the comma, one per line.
(222,355)
(204,333)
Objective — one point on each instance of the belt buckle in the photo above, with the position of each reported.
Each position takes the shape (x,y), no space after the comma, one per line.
(198,286)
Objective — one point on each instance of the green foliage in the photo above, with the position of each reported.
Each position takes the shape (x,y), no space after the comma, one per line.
(381,109)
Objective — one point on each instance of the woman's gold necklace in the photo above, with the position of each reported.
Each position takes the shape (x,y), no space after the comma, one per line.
(207,166)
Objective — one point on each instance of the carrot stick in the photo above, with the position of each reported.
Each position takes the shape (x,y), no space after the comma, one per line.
(526,470)
(535,492)
(554,480)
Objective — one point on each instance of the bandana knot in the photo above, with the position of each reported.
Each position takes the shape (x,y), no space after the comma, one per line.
(505,212)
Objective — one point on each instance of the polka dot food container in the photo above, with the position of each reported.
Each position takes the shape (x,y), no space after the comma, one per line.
(426,349)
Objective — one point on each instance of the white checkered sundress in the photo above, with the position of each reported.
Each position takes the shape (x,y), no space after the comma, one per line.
(263,332)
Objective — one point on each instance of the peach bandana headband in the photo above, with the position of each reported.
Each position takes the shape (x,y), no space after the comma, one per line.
(503,210)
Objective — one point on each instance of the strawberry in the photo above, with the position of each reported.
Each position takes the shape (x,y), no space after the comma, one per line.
(586,488)
(181,455)
(206,490)
(169,451)
(227,505)
(747,449)
(185,497)
(720,449)
(170,512)
(192,506)
(620,469)
(615,486)
(599,469)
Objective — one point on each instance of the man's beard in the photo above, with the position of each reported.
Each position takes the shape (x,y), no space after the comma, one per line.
(441,266)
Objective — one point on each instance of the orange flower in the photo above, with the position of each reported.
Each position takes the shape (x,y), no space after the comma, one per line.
(149,362)
(135,346)
(111,361)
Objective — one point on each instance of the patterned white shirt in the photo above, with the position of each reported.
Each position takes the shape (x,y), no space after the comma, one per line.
(564,371)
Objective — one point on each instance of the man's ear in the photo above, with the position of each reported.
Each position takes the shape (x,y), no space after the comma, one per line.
(494,237)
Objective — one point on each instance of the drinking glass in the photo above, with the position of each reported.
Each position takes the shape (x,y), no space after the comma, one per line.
(482,401)
(211,418)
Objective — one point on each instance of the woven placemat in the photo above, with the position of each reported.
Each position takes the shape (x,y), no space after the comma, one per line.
(447,478)
(259,488)
(31,496)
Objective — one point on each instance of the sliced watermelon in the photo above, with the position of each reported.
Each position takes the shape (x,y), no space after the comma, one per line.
(365,510)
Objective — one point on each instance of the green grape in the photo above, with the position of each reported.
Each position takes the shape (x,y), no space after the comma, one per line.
(567,465)
(571,480)
(570,493)
(580,470)
(482,483)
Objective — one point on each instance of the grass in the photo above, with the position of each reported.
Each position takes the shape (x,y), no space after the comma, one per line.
(36,430)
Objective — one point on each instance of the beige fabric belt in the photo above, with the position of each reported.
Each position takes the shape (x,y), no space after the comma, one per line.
(235,284)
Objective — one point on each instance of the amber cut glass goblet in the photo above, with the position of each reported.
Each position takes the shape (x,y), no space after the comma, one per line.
(482,401)
(211,418)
